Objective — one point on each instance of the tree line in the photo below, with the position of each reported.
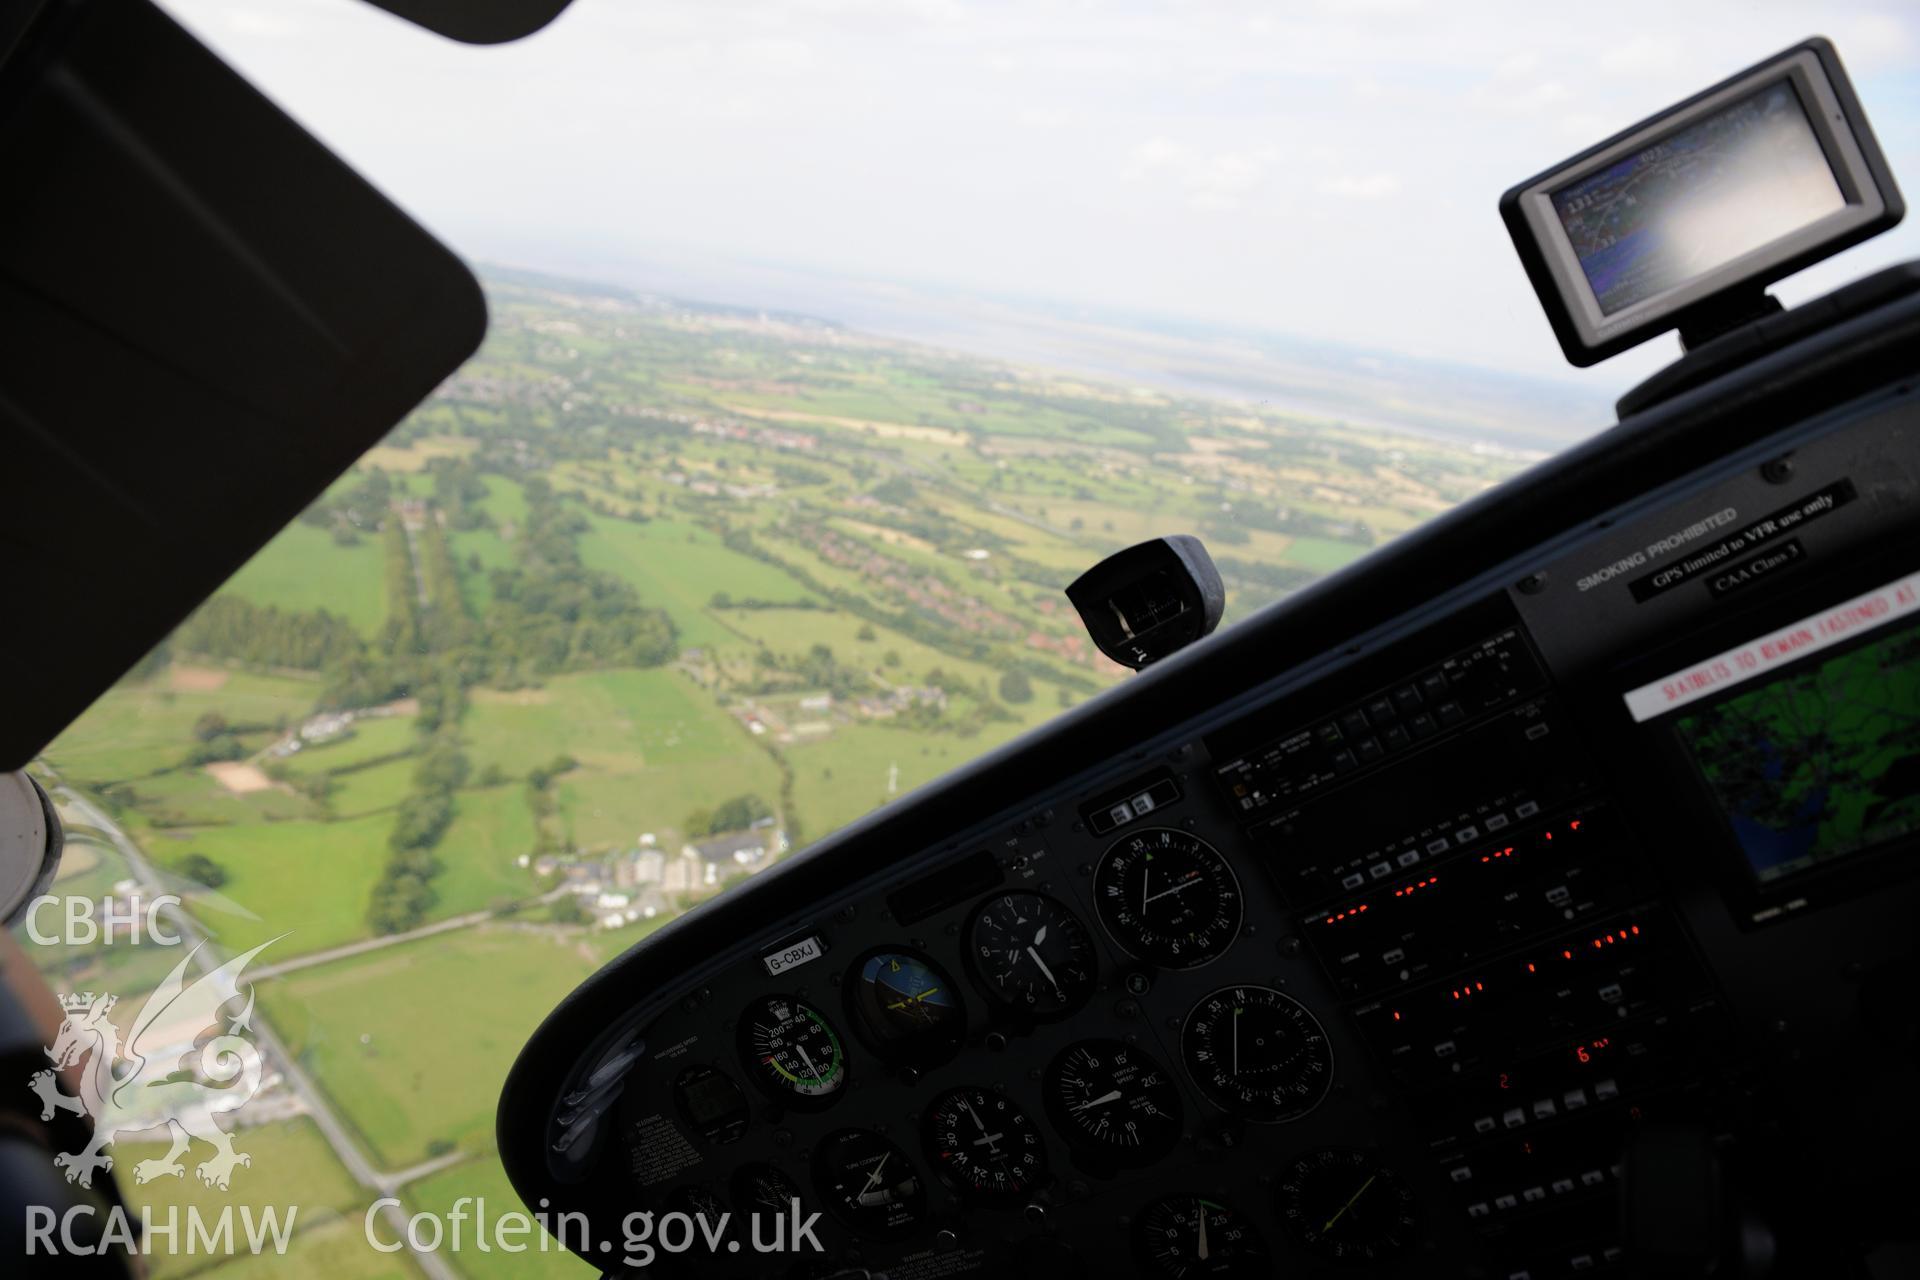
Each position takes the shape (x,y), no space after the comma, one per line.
(549,612)
(404,893)
(229,627)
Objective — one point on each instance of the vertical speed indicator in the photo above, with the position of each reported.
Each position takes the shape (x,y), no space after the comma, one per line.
(1111,1100)
(1169,898)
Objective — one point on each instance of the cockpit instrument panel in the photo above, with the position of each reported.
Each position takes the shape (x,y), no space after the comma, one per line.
(1377,961)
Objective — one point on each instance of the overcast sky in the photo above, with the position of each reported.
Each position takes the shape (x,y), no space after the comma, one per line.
(1327,169)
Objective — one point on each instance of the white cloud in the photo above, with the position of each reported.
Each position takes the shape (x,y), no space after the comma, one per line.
(1872,41)
(1588,127)
(1522,64)
(1152,155)
(1512,100)
(1389,7)
(1224,180)
(1352,186)
(1642,55)
(1052,117)
(1212,181)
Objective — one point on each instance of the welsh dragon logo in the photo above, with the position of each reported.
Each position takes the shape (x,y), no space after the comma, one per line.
(126,1091)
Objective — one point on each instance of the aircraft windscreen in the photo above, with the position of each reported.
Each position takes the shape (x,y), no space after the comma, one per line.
(829,342)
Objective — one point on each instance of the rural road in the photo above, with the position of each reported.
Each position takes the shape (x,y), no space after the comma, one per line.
(210,956)
(365,945)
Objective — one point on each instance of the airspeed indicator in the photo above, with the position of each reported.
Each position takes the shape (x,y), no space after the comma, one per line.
(792,1052)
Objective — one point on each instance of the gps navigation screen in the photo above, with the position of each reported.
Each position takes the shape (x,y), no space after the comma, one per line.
(1719,188)
(1820,764)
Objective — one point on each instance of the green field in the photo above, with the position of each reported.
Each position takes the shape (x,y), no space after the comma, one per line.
(411,1042)
(679,567)
(308,880)
(304,569)
(491,828)
(311,880)
(329,1250)
(650,745)
(843,777)
(144,727)
(370,738)
(1322,555)
(491,551)
(373,789)
(293,1171)
(418,454)
(792,632)
(506,501)
(190,797)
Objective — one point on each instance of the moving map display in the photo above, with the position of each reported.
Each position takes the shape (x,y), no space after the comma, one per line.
(1820,764)
(1717,189)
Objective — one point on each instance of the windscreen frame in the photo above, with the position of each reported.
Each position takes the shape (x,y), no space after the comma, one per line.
(1872,203)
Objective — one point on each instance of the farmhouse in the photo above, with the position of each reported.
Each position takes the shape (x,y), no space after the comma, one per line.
(704,864)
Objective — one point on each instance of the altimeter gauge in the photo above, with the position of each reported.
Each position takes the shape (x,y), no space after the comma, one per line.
(1031,954)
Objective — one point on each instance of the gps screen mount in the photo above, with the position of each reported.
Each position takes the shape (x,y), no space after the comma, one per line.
(1684,219)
